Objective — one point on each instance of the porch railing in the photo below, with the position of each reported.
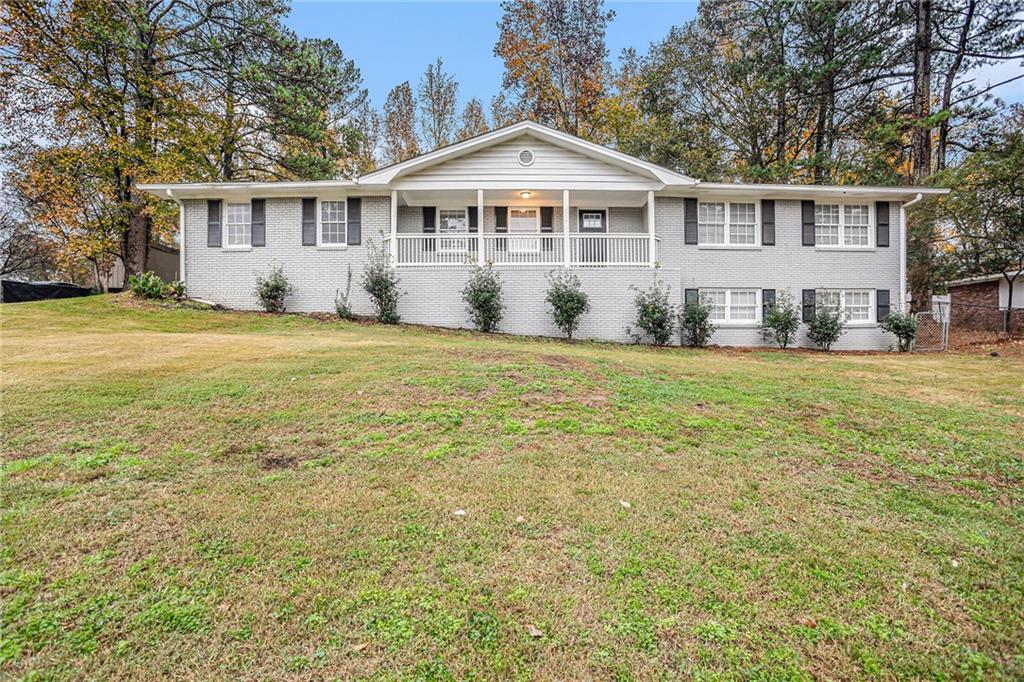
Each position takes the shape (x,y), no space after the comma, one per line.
(610,249)
(414,249)
(518,249)
(586,250)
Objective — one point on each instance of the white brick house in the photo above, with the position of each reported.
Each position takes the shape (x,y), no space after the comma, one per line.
(530,199)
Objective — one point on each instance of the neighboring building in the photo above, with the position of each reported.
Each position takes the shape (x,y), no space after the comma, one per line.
(530,199)
(980,302)
(163,260)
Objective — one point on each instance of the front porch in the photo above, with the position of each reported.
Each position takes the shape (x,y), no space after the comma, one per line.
(546,228)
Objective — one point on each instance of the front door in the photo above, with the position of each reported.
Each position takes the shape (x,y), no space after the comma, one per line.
(592,249)
(522,222)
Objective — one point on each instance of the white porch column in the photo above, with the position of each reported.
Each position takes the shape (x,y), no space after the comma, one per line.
(394,227)
(566,245)
(480,227)
(652,241)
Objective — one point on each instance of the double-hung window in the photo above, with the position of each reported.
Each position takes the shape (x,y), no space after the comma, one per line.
(854,304)
(238,225)
(452,221)
(842,225)
(731,305)
(722,223)
(333,223)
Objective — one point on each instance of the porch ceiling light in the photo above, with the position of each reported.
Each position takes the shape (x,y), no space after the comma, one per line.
(524,194)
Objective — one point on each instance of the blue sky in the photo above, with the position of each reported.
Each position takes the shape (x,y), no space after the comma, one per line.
(394,41)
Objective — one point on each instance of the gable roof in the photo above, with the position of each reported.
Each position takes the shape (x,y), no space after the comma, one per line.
(652,171)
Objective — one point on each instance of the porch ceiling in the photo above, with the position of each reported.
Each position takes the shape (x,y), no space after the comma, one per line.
(512,197)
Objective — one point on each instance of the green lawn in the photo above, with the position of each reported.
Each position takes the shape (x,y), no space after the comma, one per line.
(220,495)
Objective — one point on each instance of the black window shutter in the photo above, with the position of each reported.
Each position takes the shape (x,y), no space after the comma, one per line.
(430,219)
(547,218)
(501,218)
(881,223)
(882,304)
(691,297)
(354,218)
(213,222)
(807,222)
(768,222)
(471,218)
(808,305)
(309,222)
(767,301)
(258,221)
(689,221)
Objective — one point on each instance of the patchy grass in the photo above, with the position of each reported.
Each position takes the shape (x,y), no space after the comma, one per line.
(197,494)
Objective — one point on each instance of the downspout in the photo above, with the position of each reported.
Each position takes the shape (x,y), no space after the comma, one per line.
(903,252)
(181,235)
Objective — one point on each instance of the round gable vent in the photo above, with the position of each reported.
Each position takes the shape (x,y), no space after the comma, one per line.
(525,157)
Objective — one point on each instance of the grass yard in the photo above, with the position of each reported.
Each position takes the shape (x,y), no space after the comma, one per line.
(197,494)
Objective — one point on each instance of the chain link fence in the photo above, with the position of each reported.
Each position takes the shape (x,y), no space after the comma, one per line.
(960,326)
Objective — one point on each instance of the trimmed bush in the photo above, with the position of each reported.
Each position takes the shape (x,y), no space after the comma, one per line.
(146,285)
(273,290)
(482,295)
(903,326)
(655,315)
(825,327)
(569,303)
(695,326)
(380,281)
(341,300)
(781,321)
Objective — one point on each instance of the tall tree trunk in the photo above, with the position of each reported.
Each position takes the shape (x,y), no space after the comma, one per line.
(137,234)
(136,239)
(921,140)
(947,87)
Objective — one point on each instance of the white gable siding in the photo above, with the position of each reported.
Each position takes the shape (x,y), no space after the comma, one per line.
(501,163)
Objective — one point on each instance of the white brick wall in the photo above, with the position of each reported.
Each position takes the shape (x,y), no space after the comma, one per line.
(433,295)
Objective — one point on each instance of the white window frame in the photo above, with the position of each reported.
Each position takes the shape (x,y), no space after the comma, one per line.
(729,321)
(842,245)
(729,243)
(452,242)
(528,242)
(601,217)
(319,225)
(227,232)
(872,309)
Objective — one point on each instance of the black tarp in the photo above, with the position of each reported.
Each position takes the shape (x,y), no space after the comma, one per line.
(22,292)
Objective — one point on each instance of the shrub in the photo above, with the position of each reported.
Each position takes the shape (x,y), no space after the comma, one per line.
(695,326)
(146,285)
(568,302)
(380,281)
(826,326)
(781,321)
(273,290)
(903,326)
(655,315)
(175,290)
(342,301)
(482,295)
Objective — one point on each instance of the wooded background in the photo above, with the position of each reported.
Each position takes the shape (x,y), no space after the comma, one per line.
(99,96)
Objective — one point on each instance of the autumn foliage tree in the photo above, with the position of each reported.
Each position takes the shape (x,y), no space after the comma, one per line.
(169,90)
(556,60)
